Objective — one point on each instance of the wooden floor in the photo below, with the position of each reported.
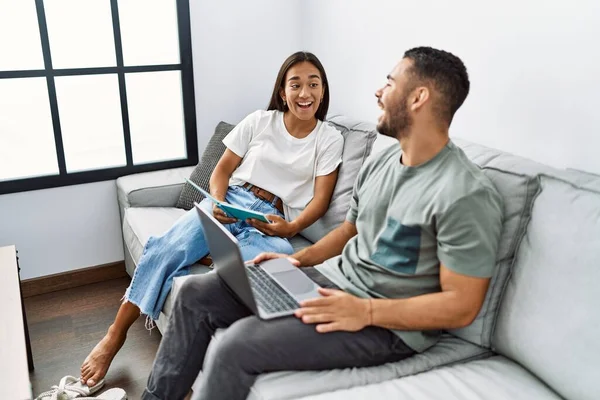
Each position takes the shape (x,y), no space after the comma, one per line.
(65,325)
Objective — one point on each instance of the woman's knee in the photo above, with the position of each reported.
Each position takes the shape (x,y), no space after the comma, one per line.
(182,230)
(281,245)
(273,244)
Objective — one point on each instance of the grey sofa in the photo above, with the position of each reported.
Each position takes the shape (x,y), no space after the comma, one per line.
(536,336)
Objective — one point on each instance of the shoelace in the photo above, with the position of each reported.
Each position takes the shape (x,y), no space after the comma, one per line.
(60,391)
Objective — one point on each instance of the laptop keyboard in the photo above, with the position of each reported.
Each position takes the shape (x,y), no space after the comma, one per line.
(269,295)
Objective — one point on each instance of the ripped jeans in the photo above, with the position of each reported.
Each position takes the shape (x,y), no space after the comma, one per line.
(171,255)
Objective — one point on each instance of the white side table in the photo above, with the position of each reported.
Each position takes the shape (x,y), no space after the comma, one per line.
(14,336)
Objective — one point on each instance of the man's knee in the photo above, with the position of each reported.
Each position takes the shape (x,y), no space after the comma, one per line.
(199,290)
(239,343)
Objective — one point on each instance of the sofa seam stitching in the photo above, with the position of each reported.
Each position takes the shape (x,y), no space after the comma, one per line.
(574,185)
(154,187)
(514,260)
(523,222)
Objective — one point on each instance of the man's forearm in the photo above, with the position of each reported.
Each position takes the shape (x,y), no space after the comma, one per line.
(330,246)
(442,310)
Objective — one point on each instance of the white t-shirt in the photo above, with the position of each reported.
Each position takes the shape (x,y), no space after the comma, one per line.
(276,161)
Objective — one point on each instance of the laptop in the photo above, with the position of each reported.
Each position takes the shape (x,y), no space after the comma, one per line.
(270,290)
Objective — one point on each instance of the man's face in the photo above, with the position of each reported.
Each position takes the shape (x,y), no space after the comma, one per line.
(393,100)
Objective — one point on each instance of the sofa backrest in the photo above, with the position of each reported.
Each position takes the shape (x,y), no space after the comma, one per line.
(203,170)
(518,191)
(549,320)
(358,141)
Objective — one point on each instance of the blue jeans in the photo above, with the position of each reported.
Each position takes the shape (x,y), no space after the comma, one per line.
(170,255)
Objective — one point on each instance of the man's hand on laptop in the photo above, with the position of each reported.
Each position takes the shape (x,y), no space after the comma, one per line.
(270,256)
(336,311)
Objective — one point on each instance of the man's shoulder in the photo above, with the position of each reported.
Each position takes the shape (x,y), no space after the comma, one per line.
(383,157)
(378,164)
(464,179)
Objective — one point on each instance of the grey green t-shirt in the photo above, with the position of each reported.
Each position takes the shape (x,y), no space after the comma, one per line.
(411,219)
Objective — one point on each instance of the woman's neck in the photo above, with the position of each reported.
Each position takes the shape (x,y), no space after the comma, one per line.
(296,127)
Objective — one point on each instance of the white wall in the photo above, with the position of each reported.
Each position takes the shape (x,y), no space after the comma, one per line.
(237,50)
(62,229)
(533,65)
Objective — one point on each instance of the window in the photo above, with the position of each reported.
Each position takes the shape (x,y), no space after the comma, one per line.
(93,90)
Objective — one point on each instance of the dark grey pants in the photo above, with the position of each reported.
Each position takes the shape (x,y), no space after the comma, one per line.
(251,346)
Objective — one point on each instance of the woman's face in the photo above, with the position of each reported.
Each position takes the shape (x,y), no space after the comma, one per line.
(303,90)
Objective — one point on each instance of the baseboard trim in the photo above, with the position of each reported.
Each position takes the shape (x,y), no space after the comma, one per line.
(71,279)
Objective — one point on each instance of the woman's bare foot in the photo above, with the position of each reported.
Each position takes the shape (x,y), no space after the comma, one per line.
(97,362)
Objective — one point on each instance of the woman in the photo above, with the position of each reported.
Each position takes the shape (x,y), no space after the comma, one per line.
(281,162)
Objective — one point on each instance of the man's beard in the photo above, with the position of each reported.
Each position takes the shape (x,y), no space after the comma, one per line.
(399,121)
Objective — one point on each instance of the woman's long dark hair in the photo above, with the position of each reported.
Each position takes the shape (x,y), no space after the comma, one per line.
(276,102)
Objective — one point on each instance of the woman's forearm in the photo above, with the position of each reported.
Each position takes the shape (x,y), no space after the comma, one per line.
(324,186)
(219,182)
(312,212)
(219,179)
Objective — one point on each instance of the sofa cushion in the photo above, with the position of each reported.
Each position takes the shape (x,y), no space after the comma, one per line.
(495,378)
(299,242)
(139,223)
(201,174)
(358,141)
(293,384)
(518,192)
(549,320)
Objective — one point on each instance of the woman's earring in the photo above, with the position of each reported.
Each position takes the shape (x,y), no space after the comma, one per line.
(284,103)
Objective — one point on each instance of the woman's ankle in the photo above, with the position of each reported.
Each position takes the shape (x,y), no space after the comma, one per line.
(116,331)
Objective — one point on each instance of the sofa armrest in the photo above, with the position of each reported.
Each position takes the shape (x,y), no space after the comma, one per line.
(151,189)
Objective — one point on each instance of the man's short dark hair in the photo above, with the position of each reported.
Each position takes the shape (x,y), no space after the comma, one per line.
(446,72)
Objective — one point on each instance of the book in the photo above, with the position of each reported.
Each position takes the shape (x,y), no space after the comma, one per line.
(231,209)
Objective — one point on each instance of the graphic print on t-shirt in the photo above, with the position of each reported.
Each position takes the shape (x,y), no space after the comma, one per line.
(398,247)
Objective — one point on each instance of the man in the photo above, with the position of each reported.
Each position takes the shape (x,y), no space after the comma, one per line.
(417,251)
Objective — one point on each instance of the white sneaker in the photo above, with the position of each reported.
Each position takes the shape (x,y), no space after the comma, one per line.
(68,388)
